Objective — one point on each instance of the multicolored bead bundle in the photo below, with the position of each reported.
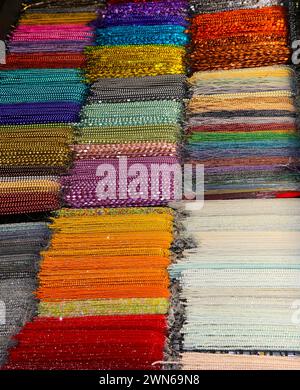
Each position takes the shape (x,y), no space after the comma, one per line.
(92,92)
(41,92)
(135,105)
(242,126)
(55,32)
(133,113)
(238,288)
(105,283)
(103,292)
(40,103)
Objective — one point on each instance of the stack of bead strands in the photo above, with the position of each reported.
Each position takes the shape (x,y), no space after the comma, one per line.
(41,93)
(221,362)
(104,284)
(40,102)
(20,244)
(295,36)
(241,285)
(135,104)
(240,38)
(208,7)
(89,288)
(134,110)
(53,34)
(242,126)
